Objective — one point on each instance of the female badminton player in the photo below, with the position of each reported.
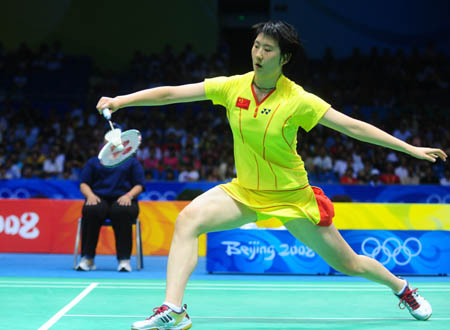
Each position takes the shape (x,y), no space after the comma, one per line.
(265,109)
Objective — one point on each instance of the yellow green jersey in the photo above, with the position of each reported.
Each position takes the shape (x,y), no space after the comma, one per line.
(265,132)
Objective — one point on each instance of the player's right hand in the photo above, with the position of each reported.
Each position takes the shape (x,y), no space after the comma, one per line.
(112,103)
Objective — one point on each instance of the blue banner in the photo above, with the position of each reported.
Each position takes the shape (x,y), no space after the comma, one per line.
(168,191)
(278,252)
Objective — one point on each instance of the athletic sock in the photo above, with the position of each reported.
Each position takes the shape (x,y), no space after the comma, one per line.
(176,309)
(403,289)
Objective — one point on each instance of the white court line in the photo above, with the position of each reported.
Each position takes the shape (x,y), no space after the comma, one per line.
(444,285)
(264,317)
(66,308)
(48,282)
(42,286)
(221,288)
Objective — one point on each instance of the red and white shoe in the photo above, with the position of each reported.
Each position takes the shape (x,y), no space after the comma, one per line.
(165,318)
(417,305)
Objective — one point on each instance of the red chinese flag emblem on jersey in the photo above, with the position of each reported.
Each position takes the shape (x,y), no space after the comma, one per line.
(242,103)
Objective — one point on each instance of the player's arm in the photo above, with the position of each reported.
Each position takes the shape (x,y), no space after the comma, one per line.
(368,133)
(155,96)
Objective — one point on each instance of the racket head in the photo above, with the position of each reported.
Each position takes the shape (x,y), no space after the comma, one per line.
(110,156)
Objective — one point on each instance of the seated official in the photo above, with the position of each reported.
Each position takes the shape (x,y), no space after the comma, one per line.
(111,193)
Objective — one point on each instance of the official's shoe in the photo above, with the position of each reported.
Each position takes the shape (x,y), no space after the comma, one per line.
(417,305)
(86,264)
(124,265)
(165,318)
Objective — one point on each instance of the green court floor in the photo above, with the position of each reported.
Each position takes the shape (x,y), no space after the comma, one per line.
(89,304)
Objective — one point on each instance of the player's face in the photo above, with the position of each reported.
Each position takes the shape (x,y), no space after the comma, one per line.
(266,55)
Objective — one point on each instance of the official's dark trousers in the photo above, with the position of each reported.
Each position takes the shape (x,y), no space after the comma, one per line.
(122,218)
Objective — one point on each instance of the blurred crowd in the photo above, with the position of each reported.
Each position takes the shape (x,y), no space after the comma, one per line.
(403,93)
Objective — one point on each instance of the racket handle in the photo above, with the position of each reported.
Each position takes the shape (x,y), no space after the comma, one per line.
(106,113)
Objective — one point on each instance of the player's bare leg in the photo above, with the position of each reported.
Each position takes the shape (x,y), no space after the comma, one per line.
(212,211)
(329,244)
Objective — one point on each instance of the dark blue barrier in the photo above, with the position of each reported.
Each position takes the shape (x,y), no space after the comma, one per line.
(160,190)
(256,251)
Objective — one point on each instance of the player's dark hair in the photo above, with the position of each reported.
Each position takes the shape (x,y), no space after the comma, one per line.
(285,34)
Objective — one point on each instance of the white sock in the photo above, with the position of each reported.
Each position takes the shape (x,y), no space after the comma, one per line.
(176,309)
(403,289)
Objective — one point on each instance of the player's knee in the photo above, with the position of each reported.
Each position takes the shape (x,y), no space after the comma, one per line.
(187,222)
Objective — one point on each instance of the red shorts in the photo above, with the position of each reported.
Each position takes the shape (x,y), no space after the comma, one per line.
(326,207)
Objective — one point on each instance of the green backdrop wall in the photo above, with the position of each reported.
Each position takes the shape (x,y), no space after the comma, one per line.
(110,31)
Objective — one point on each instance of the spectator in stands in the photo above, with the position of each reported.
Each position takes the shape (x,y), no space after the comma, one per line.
(341,163)
(226,167)
(445,181)
(308,160)
(323,162)
(401,170)
(169,174)
(212,175)
(35,161)
(348,178)
(75,157)
(13,168)
(428,176)
(363,176)
(189,157)
(375,177)
(188,173)
(111,193)
(411,178)
(171,159)
(3,172)
(52,167)
(2,154)
(388,176)
(150,175)
(402,132)
(152,162)
(357,157)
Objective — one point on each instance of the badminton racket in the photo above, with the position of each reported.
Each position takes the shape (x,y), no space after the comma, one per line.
(120,146)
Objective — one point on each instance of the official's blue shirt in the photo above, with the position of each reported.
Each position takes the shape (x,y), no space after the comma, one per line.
(113,182)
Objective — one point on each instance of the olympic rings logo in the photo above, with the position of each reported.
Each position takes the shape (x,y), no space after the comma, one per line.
(18,193)
(410,248)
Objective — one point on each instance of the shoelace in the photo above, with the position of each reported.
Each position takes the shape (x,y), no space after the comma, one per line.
(158,310)
(410,299)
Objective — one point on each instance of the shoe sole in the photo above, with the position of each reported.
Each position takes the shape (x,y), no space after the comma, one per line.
(79,269)
(424,319)
(185,328)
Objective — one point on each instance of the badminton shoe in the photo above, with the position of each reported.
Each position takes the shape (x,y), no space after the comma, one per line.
(165,318)
(86,264)
(124,265)
(417,305)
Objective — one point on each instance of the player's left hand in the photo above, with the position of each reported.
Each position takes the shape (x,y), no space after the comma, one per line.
(124,200)
(430,154)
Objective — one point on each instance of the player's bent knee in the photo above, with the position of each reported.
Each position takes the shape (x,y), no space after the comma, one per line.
(187,223)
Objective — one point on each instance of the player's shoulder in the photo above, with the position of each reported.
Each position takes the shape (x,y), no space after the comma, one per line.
(290,88)
(235,78)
